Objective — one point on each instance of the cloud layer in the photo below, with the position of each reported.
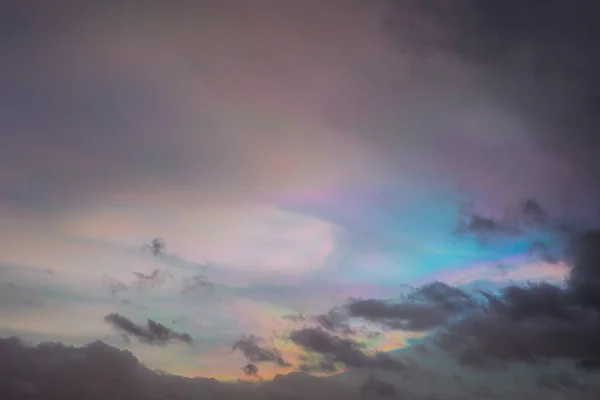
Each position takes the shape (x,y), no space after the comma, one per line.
(416,182)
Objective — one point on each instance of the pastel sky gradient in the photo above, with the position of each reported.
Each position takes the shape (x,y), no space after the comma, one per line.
(293,150)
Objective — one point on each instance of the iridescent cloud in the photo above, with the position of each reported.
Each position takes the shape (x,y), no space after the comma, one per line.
(293,162)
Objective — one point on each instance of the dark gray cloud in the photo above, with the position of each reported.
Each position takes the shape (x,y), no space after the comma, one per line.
(531,323)
(377,387)
(428,307)
(584,279)
(297,385)
(53,370)
(542,251)
(532,214)
(534,62)
(544,52)
(158,246)
(480,392)
(320,363)
(487,227)
(335,320)
(534,323)
(420,348)
(343,350)
(250,347)
(153,333)
(250,369)
(99,371)
(527,216)
(560,382)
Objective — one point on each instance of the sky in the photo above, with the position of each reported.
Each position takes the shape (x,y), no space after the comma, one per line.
(384,192)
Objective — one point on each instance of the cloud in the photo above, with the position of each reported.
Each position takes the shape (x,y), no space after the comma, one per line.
(536,322)
(150,281)
(486,227)
(168,114)
(531,213)
(55,370)
(160,253)
(255,353)
(584,280)
(157,246)
(295,317)
(428,307)
(343,350)
(528,216)
(322,363)
(250,369)
(531,323)
(378,387)
(421,348)
(153,86)
(100,371)
(543,252)
(114,285)
(335,320)
(153,333)
(560,382)
(532,62)
(195,283)
(532,44)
